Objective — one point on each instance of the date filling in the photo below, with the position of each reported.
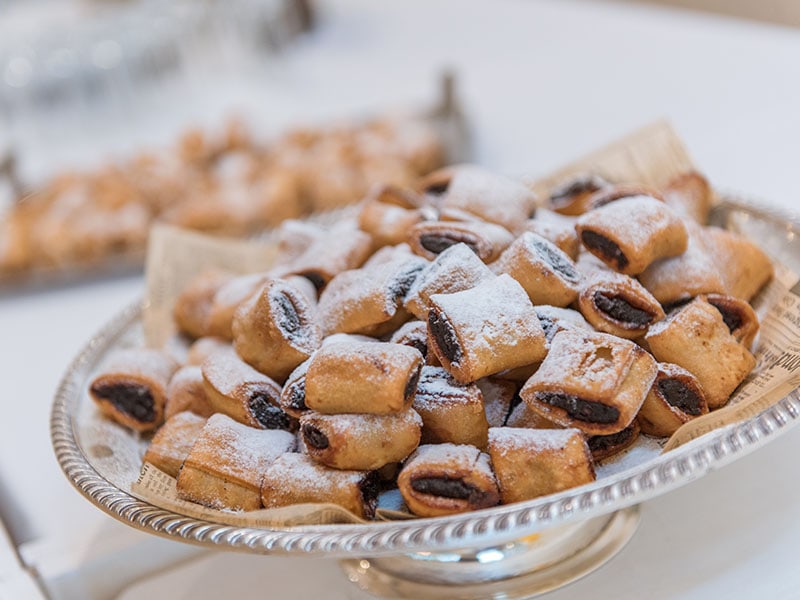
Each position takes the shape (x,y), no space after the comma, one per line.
(297,395)
(609,249)
(133,399)
(411,384)
(554,259)
(681,396)
(445,336)
(448,487)
(622,311)
(287,317)
(580,409)
(601,443)
(314,437)
(439,242)
(267,414)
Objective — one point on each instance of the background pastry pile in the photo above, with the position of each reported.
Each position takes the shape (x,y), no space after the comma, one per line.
(228,184)
(456,339)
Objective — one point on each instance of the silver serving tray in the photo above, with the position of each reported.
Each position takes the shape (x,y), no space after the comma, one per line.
(551,540)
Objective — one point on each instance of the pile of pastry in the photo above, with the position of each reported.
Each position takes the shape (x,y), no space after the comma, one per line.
(228,184)
(457,339)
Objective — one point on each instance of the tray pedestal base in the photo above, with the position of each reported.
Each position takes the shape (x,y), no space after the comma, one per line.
(520,569)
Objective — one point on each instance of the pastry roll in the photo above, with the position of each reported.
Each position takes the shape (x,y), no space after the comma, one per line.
(691,196)
(451,411)
(738,315)
(744,267)
(499,397)
(413,334)
(236,389)
(612,193)
(618,304)
(606,446)
(485,330)
(360,442)
(631,233)
(338,249)
(593,381)
(204,347)
(368,300)
(362,377)
(294,238)
(554,319)
(530,463)
(389,212)
(690,274)
(274,330)
(572,196)
(293,394)
(186,392)
(490,197)
(172,442)
(226,464)
(696,338)
(675,398)
(296,479)
(446,479)
(227,299)
(546,274)
(558,229)
(435,184)
(486,240)
(132,388)
(193,304)
(454,270)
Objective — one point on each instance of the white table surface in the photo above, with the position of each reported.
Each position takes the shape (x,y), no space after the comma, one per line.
(542,82)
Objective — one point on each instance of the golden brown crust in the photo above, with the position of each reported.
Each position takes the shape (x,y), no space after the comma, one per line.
(431,238)
(186,392)
(193,305)
(530,463)
(172,442)
(446,479)
(696,338)
(360,442)
(675,398)
(593,381)
(691,196)
(362,377)
(388,212)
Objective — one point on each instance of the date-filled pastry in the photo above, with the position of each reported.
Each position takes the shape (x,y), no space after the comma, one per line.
(225,466)
(572,197)
(454,270)
(606,446)
(558,229)
(296,479)
(485,330)
(186,392)
(738,315)
(389,212)
(193,305)
(522,415)
(362,377)
(696,338)
(555,318)
(132,388)
(618,304)
(744,267)
(360,442)
(451,411)
(236,389)
(593,381)
(675,398)
(486,240)
(690,195)
(546,274)
(274,330)
(631,233)
(530,463)
(227,299)
(172,442)
(445,479)
(338,249)
(488,196)
(369,300)
(204,347)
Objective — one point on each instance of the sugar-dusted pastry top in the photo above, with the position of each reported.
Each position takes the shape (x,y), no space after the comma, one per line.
(452,349)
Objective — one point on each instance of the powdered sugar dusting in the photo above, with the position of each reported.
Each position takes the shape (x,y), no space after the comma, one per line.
(509,439)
